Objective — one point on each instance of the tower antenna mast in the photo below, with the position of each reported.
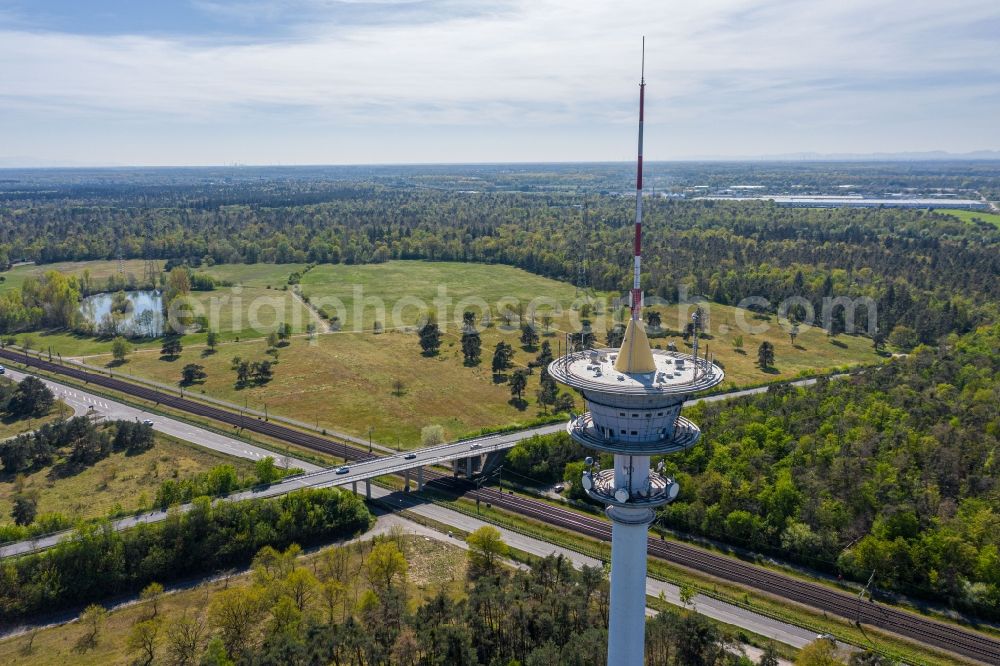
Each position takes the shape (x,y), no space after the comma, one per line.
(636,296)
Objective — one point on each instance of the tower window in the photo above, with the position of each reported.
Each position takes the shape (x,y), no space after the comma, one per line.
(634,432)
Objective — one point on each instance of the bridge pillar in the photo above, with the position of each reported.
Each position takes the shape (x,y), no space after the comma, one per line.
(420,479)
(368,488)
(406,481)
(468,467)
(354,487)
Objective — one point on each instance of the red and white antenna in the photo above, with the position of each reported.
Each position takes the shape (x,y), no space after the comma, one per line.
(636,296)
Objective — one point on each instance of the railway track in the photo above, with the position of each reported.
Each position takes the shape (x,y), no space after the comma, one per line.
(260,426)
(924,630)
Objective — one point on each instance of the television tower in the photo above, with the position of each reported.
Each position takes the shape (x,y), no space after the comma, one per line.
(634,396)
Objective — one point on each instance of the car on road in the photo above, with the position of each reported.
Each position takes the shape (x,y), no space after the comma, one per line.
(343,470)
(827,637)
(2,369)
(559,488)
(409,456)
(147,422)
(475,446)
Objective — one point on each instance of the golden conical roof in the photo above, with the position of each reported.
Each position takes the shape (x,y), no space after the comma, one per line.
(635,356)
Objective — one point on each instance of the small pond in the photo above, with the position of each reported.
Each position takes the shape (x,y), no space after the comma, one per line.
(142,317)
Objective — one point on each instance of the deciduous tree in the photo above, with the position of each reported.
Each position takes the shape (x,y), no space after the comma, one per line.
(486,548)
(120,348)
(385,566)
(430,338)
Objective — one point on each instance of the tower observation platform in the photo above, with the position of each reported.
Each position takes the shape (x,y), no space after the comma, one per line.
(634,415)
(635,412)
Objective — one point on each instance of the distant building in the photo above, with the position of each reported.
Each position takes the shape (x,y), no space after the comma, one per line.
(857,201)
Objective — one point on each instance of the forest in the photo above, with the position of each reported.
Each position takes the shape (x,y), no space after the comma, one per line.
(893,469)
(370,603)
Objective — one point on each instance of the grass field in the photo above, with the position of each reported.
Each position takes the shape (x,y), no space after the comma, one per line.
(395,292)
(433,565)
(250,312)
(120,482)
(99,270)
(254,275)
(971,215)
(345,380)
(812,351)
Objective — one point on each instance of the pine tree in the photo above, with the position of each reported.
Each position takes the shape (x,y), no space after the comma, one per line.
(765,355)
(616,334)
(471,347)
(545,355)
(518,383)
(503,357)
(529,337)
(547,391)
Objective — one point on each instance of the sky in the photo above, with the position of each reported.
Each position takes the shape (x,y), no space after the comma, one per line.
(208,82)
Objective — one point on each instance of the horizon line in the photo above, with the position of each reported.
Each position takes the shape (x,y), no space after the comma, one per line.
(916,156)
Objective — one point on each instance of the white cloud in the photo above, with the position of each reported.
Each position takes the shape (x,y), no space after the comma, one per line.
(535,63)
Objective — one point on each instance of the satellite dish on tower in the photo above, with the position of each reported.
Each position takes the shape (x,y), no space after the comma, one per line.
(621,495)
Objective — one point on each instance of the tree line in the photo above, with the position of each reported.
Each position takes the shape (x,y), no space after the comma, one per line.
(79,441)
(99,562)
(930,272)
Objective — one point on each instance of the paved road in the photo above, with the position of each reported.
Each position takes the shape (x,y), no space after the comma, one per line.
(315,476)
(82,401)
